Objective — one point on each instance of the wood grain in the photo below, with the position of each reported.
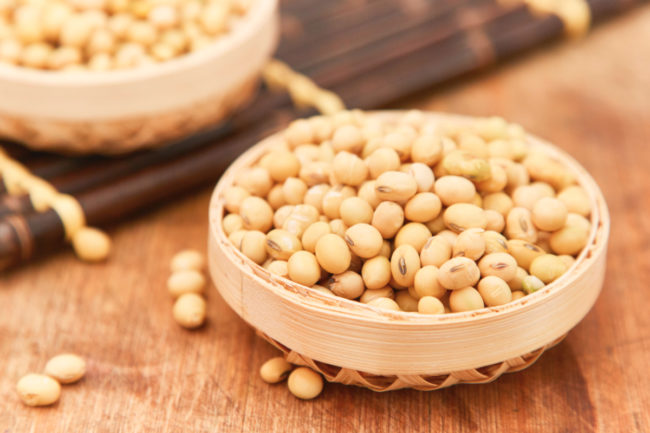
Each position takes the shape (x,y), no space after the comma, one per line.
(146,374)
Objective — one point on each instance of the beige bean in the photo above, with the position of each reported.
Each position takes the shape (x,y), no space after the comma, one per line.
(256,180)
(333,199)
(348,138)
(548,268)
(231,223)
(382,160)
(414,234)
(367,192)
(465,299)
(405,301)
(404,264)
(305,383)
(315,194)
(494,291)
(436,251)
(348,284)
(355,210)
(500,265)
(281,215)
(38,390)
(458,273)
(495,242)
(364,240)
(518,294)
(569,240)
(524,252)
(349,169)
(275,370)
(281,244)
(426,283)
(278,267)
(498,201)
(470,244)
(516,283)
(454,189)
(233,197)
(91,245)
(519,225)
(423,207)
(185,281)
(376,272)
(423,176)
(427,149)
(299,132)
(576,200)
(315,173)
(527,195)
(395,186)
(549,214)
(338,227)
(189,310)
(384,304)
(430,305)
(313,233)
(333,253)
(300,217)
(401,142)
(388,218)
(253,246)
(370,295)
(303,268)
(281,165)
(495,221)
(462,216)
(66,368)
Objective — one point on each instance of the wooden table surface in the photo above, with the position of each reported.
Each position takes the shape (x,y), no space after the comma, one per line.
(146,374)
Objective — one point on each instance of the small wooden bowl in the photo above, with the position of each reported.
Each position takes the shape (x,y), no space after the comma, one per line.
(125,110)
(353,343)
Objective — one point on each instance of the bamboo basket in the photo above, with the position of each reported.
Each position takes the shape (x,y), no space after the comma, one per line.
(353,343)
(121,111)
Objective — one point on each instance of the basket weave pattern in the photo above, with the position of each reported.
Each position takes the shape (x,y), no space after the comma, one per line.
(377,383)
(116,136)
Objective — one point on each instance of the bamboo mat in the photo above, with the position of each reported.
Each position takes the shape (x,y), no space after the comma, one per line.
(370,52)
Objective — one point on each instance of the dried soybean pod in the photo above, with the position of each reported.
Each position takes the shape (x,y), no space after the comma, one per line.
(519,225)
(404,264)
(435,251)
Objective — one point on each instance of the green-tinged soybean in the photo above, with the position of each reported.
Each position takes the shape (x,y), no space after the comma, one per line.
(333,254)
(548,267)
(515,283)
(364,240)
(347,285)
(465,299)
(404,264)
(500,265)
(303,268)
(281,244)
(426,283)
(531,284)
(458,273)
(376,272)
(494,291)
(436,251)
(462,216)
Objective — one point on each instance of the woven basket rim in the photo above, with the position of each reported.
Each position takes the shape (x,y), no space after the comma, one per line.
(314,300)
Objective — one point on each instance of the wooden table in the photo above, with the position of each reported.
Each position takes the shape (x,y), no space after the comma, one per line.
(146,374)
